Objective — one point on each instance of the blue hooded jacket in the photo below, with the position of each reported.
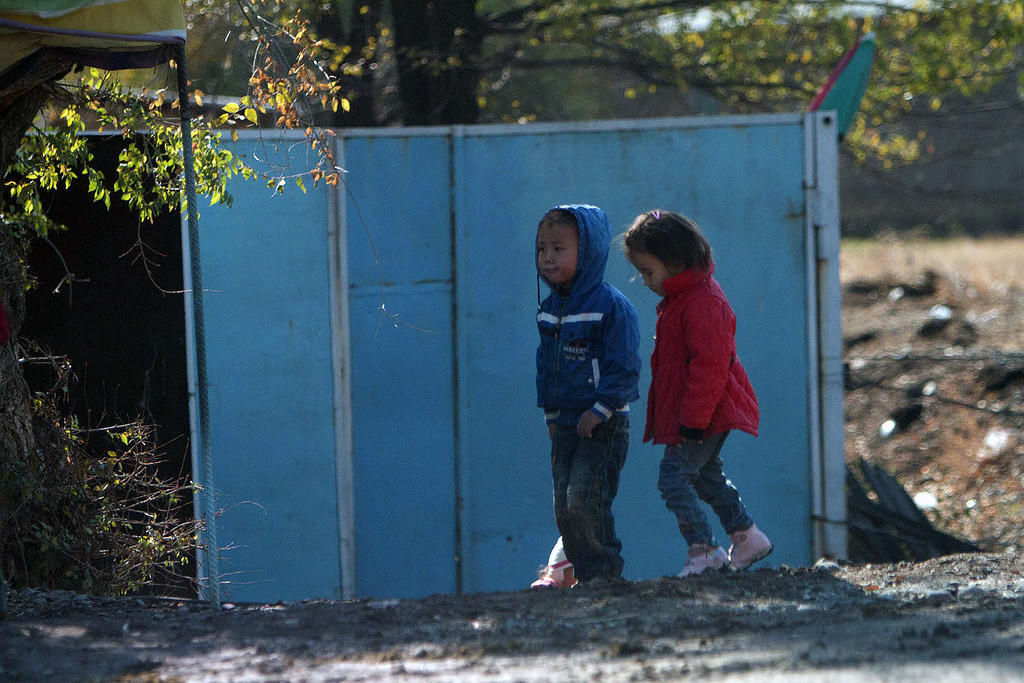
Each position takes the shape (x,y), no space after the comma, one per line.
(588,358)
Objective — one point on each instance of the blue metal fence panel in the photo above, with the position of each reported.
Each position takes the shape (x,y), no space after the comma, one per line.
(744,186)
(398,225)
(398,210)
(265,274)
(449,454)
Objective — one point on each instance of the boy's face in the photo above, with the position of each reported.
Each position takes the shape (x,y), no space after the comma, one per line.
(652,270)
(558,248)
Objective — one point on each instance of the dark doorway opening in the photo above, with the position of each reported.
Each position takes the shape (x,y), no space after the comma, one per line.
(108,296)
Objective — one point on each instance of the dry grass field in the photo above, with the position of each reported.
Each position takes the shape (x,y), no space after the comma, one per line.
(993,263)
(934,342)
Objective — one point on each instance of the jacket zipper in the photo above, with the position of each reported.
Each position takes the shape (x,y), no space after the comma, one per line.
(558,348)
(558,337)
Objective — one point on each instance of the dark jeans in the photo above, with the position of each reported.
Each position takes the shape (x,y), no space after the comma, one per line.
(692,471)
(585,474)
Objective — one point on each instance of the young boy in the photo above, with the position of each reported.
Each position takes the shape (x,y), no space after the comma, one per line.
(588,367)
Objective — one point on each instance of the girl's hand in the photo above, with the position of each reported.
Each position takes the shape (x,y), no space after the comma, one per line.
(690,435)
(551,431)
(588,420)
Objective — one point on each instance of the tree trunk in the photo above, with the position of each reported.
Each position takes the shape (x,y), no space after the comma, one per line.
(20,101)
(438,47)
(16,437)
(25,89)
(360,90)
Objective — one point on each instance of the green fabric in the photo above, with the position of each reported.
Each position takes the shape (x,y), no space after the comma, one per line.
(846,93)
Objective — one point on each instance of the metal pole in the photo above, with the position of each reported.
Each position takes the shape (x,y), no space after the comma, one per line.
(209,508)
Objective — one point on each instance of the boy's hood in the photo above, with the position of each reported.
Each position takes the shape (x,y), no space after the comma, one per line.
(595,241)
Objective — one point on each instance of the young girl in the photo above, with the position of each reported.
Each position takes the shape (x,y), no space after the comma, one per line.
(699,390)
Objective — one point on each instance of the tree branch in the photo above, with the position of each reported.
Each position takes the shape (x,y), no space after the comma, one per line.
(513,21)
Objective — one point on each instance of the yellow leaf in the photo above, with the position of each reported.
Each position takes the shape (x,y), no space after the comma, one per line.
(231,107)
(345,104)
(250,114)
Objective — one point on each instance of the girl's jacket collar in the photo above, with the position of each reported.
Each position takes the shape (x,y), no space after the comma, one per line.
(677,284)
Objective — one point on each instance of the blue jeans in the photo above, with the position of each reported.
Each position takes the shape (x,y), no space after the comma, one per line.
(692,472)
(585,474)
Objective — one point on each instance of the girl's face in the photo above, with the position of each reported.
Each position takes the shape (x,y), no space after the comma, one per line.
(652,270)
(558,248)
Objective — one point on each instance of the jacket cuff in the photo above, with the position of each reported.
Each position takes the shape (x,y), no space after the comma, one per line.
(602,411)
(691,433)
(550,416)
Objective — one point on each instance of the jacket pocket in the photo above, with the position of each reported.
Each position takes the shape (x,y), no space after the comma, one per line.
(579,371)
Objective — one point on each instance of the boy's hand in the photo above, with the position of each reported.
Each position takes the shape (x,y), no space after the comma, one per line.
(551,430)
(588,420)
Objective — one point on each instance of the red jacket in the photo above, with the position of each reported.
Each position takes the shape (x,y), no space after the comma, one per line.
(698,383)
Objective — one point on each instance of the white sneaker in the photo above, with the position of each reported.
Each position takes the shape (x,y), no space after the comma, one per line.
(555,577)
(703,557)
(558,573)
(748,546)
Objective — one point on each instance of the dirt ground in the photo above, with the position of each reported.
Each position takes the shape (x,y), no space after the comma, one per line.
(948,619)
(934,342)
(945,349)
